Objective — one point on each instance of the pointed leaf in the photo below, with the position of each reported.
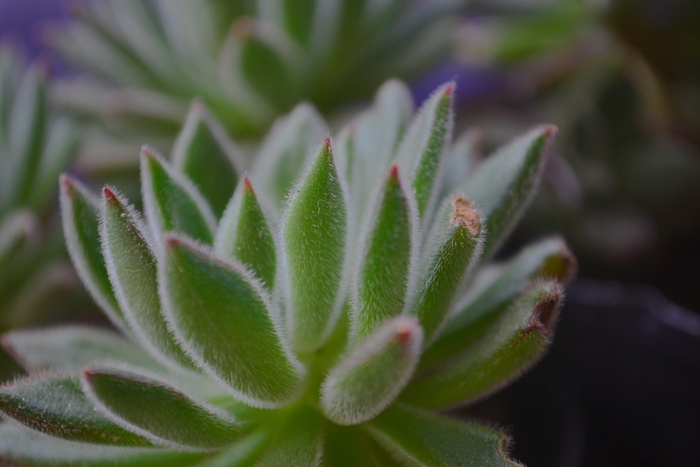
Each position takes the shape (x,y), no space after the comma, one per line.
(80,214)
(244,234)
(57,406)
(503,351)
(452,253)
(205,154)
(221,314)
(26,129)
(314,239)
(19,446)
(493,291)
(133,273)
(383,277)
(422,149)
(419,438)
(285,151)
(171,202)
(156,410)
(15,229)
(71,348)
(369,377)
(504,183)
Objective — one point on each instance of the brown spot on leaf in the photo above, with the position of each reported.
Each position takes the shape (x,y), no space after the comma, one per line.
(464,214)
(545,310)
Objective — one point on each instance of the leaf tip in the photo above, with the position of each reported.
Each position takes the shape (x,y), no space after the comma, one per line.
(449,89)
(464,214)
(550,130)
(545,311)
(66,184)
(109,195)
(243,28)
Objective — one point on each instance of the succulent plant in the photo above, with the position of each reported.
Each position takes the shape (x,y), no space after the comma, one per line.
(249,61)
(35,146)
(321,328)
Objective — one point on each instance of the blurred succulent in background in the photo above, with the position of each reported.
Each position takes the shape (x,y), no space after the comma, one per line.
(249,61)
(320,329)
(35,146)
(620,78)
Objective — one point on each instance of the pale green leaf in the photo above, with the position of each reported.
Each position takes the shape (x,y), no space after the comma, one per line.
(503,351)
(423,439)
(373,373)
(383,279)
(15,229)
(171,202)
(244,234)
(205,154)
(19,446)
(80,213)
(503,185)
(56,405)
(133,273)
(314,239)
(222,316)
(156,410)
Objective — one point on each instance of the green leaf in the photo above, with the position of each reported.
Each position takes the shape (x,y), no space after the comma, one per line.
(26,129)
(24,447)
(244,234)
(421,151)
(503,351)
(57,406)
(171,202)
(452,253)
(205,154)
(15,229)
(494,289)
(298,18)
(314,239)
(286,150)
(71,348)
(156,410)
(133,273)
(80,214)
(423,439)
(221,315)
(389,248)
(351,447)
(503,185)
(373,373)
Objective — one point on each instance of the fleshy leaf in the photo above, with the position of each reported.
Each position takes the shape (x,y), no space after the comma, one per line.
(156,410)
(503,185)
(421,151)
(80,213)
(27,124)
(57,406)
(205,154)
(383,277)
(133,273)
(492,291)
(71,348)
(452,253)
(24,447)
(419,438)
(171,202)
(294,438)
(285,151)
(373,373)
(350,446)
(503,351)
(15,229)
(314,239)
(244,234)
(221,315)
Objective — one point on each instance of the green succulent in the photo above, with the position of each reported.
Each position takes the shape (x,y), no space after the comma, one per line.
(35,147)
(249,61)
(325,326)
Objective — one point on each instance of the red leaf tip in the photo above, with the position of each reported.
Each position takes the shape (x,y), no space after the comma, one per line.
(109,195)
(171,241)
(550,130)
(66,183)
(449,89)
(394,171)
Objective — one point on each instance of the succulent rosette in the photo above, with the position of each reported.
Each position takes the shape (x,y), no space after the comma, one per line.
(319,310)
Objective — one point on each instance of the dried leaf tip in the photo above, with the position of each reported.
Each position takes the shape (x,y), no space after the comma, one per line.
(464,214)
(545,310)
(562,265)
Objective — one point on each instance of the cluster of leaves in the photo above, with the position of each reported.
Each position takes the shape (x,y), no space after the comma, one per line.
(35,147)
(249,61)
(318,329)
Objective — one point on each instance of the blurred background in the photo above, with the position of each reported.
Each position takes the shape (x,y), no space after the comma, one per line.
(621,79)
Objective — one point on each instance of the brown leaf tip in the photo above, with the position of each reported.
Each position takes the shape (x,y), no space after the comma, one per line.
(243,28)
(464,214)
(562,265)
(542,317)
